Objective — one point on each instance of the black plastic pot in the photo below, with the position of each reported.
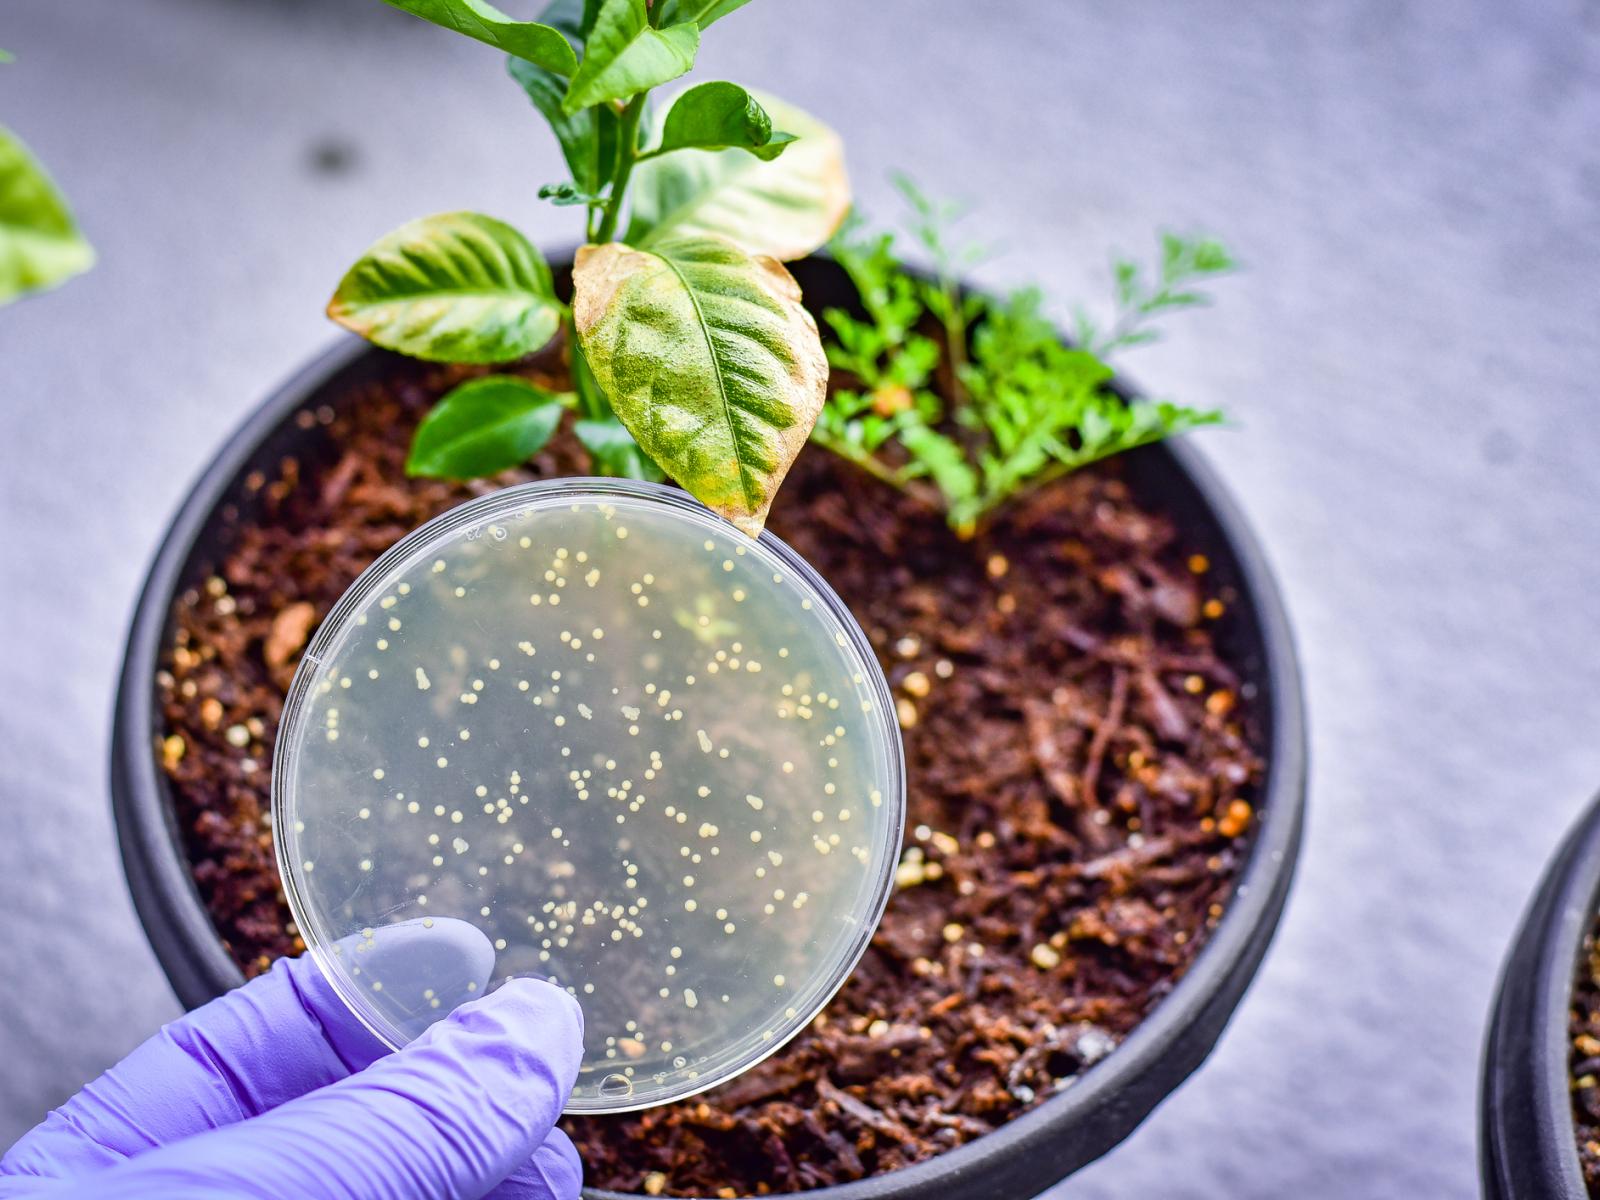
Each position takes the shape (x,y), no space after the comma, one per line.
(1022,1158)
(1528,1149)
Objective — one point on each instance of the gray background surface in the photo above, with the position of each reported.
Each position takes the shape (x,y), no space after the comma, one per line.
(1411,358)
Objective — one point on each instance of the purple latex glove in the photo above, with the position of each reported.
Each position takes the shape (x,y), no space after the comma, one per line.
(276,1090)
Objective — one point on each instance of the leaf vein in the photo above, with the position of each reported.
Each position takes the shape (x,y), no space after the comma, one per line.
(746,476)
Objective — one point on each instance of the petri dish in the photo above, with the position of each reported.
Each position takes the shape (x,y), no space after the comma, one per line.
(583,730)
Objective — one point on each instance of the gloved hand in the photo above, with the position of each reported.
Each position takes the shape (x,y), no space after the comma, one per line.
(276,1090)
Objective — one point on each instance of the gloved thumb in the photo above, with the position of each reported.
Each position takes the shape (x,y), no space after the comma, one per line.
(449,1116)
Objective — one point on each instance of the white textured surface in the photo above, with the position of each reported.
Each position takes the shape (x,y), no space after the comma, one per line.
(1412,359)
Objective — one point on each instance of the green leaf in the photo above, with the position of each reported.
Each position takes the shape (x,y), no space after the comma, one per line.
(785,208)
(943,460)
(625,55)
(588,156)
(709,359)
(1211,257)
(615,452)
(719,116)
(1183,261)
(483,427)
(457,287)
(6,56)
(40,245)
(1027,408)
(1114,426)
(702,12)
(540,44)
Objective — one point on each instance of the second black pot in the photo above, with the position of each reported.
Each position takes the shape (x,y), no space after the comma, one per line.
(1528,1149)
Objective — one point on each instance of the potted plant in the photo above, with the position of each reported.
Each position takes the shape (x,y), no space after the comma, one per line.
(1540,1102)
(1093,674)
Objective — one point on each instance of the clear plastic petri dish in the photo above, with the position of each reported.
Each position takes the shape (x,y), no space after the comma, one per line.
(585,731)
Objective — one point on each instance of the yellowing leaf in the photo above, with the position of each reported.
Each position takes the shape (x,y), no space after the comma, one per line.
(785,208)
(457,287)
(709,360)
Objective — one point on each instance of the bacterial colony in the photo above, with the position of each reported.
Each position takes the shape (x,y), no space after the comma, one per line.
(641,754)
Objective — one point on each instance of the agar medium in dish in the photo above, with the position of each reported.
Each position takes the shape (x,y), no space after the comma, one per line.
(588,732)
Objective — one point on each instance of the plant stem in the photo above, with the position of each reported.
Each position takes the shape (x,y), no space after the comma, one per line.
(867,462)
(590,212)
(878,469)
(955,336)
(591,401)
(627,148)
(955,333)
(1042,479)
(1125,325)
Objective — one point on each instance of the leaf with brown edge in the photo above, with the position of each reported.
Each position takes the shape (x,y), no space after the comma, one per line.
(787,207)
(709,360)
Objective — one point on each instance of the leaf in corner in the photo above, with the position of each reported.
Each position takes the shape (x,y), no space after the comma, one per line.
(709,359)
(40,245)
(483,427)
(457,287)
(719,116)
(626,55)
(540,44)
(785,208)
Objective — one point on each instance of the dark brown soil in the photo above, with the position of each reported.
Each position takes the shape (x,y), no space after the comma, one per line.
(1082,773)
(1584,1024)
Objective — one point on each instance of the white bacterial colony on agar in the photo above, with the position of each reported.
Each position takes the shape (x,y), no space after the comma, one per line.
(585,731)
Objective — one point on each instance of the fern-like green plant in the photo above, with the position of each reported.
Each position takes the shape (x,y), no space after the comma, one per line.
(1019,406)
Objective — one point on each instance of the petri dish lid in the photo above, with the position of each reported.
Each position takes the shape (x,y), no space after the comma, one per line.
(583,730)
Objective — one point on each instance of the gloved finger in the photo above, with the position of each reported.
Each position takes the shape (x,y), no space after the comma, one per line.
(553,1173)
(280,1036)
(449,1116)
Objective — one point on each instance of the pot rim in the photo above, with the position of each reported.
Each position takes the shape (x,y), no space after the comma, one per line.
(1528,1146)
(1113,1096)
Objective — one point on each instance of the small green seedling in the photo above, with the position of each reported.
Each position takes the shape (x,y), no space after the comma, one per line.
(1021,406)
(40,245)
(690,350)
